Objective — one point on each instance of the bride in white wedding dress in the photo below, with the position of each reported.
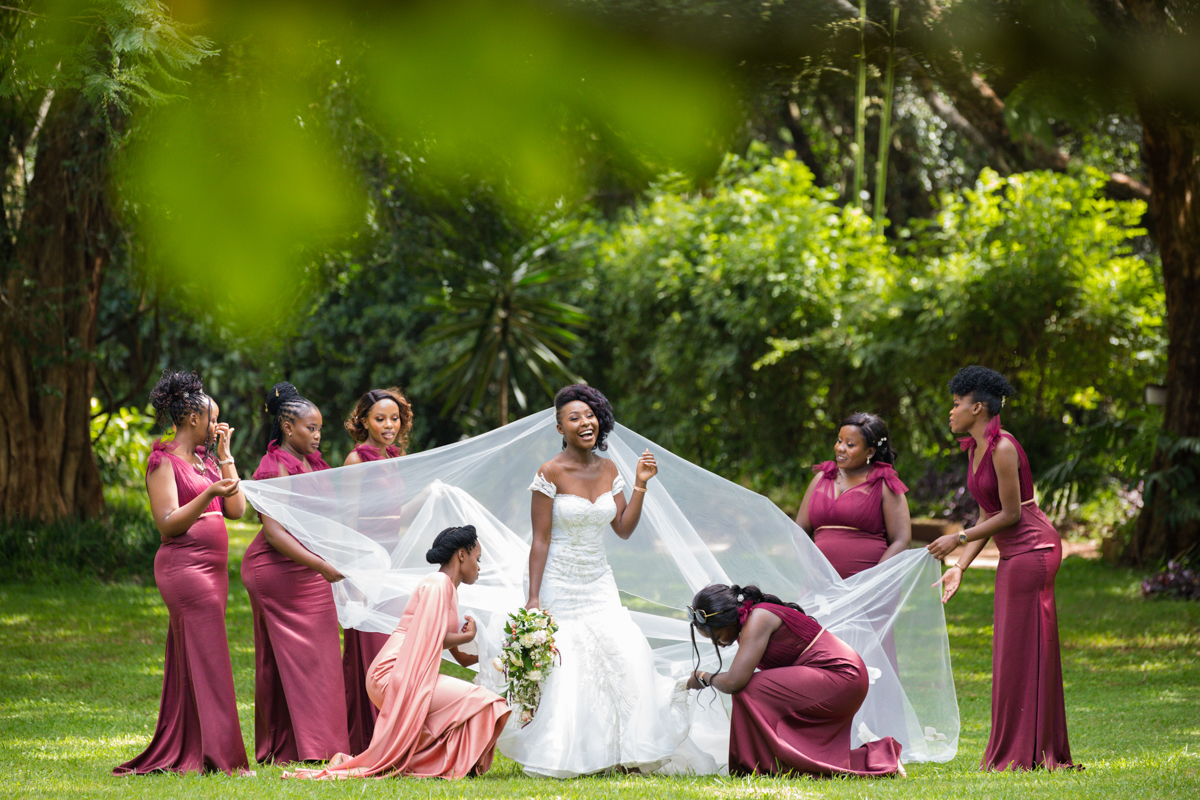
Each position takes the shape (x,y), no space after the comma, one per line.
(605,706)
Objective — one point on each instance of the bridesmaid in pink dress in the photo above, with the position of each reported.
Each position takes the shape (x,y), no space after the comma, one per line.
(299,699)
(794,714)
(1029,718)
(855,505)
(380,423)
(190,497)
(430,725)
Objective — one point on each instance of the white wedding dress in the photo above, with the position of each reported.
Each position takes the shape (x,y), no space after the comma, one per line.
(605,705)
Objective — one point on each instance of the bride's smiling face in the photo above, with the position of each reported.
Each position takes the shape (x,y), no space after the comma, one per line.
(578,425)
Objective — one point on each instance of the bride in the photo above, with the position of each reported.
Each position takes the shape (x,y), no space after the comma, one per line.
(605,706)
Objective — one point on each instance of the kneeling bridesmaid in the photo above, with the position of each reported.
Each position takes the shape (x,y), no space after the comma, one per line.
(795,714)
(429,725)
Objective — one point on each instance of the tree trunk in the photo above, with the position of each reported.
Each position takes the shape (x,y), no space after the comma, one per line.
(1172,154)
(51,288)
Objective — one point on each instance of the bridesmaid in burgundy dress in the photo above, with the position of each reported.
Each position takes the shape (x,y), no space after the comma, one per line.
(1029,718)
(856,504)
(299,698)
(380,423)
(794,715)
(190,496)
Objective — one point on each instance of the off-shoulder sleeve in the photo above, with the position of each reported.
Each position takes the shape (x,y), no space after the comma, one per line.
(540,484)
(887,474)
(618,484)
(827,469)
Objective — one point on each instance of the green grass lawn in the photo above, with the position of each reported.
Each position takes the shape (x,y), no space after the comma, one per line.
(81,673)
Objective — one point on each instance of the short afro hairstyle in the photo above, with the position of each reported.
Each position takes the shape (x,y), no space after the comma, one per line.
(596,401)
(984,385)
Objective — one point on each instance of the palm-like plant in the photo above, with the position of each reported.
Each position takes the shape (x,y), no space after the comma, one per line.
(521,336)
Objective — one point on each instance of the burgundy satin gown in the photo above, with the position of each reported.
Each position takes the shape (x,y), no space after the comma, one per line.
(198,728)
(1029,717)
(795,714)
(299,698)
(359,648)
(849,529)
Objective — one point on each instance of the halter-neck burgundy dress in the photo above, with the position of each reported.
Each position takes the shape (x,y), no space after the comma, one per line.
(1029,718)
(796,712)
(198,728)
(849,528)
(299,698)
(359,648)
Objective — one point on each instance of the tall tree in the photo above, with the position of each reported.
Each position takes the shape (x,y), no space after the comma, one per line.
(70,74)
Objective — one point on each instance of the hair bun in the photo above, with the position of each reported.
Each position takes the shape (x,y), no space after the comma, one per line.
(280,393)
(449,542)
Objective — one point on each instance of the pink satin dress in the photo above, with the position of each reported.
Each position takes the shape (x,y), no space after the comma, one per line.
(198,728)
(849,529)
(359,648)
(796,713)
(1029,718)
(299,698)
(429,725)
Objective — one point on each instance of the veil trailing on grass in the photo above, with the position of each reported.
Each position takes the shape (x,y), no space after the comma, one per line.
(374,522)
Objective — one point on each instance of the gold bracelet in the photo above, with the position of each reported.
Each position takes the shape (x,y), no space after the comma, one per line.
(639,488)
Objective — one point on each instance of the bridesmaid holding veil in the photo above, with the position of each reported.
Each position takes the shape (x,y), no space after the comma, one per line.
(191,495)
(299,698)
(1029,718)
(856,504)
(380,424)
(430,725)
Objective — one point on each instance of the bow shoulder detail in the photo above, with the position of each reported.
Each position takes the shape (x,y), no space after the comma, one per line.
(887,474)
(826,468)
(744,612)
(992,433)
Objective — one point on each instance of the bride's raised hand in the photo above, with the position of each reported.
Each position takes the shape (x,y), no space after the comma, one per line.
(647,468)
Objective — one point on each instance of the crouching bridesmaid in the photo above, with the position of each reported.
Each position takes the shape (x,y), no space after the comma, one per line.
(429,725)
(795,714)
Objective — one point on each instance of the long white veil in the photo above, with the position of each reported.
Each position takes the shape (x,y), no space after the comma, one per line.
(374,522)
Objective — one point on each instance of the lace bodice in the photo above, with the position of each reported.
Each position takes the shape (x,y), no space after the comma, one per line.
(577,529)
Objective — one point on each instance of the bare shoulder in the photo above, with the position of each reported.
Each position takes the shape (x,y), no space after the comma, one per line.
(549,471)
(761,621)
(1005,449)
(353,458)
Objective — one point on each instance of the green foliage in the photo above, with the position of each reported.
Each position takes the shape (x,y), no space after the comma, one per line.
(121,441)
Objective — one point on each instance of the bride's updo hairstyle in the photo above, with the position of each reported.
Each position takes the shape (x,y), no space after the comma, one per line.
(449,542)
(596,401)
(284,404)
(176,395)
(984,385)
(356,423)
(719,605)
(875,433)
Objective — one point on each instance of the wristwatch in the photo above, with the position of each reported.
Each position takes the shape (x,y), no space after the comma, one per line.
(700,680)
(962,537)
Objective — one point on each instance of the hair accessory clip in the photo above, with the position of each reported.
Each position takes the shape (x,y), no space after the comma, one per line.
(741,597)
(277,393)
(1002,399)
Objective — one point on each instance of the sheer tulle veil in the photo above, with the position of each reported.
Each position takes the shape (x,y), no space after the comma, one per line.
(374,522)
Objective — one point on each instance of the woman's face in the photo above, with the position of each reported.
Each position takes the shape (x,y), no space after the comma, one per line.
(383,423)
(304,432)
(578,424)
(851,451)
(470,565)
(722,637)
(963,414)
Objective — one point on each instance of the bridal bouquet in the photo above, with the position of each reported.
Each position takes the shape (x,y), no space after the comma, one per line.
(526,659)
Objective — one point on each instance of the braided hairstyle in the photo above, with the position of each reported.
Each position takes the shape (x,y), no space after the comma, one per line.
(720,604)
(875,433)
(176,395)
(356,422)
(596,401)
(449,542)
(984,385)
(284,404)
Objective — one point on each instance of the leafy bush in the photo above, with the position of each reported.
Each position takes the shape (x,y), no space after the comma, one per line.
(1178,580)
(121,441)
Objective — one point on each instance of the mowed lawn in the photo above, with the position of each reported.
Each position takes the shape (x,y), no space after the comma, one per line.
(81,673)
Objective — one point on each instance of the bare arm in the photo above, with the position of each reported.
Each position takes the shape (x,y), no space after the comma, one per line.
(802,517)
(170,519)
(952,578)
(897,522)
(455,640)
(629,514)
(541,512)
(752,643)
(286,544)
(1004,459)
